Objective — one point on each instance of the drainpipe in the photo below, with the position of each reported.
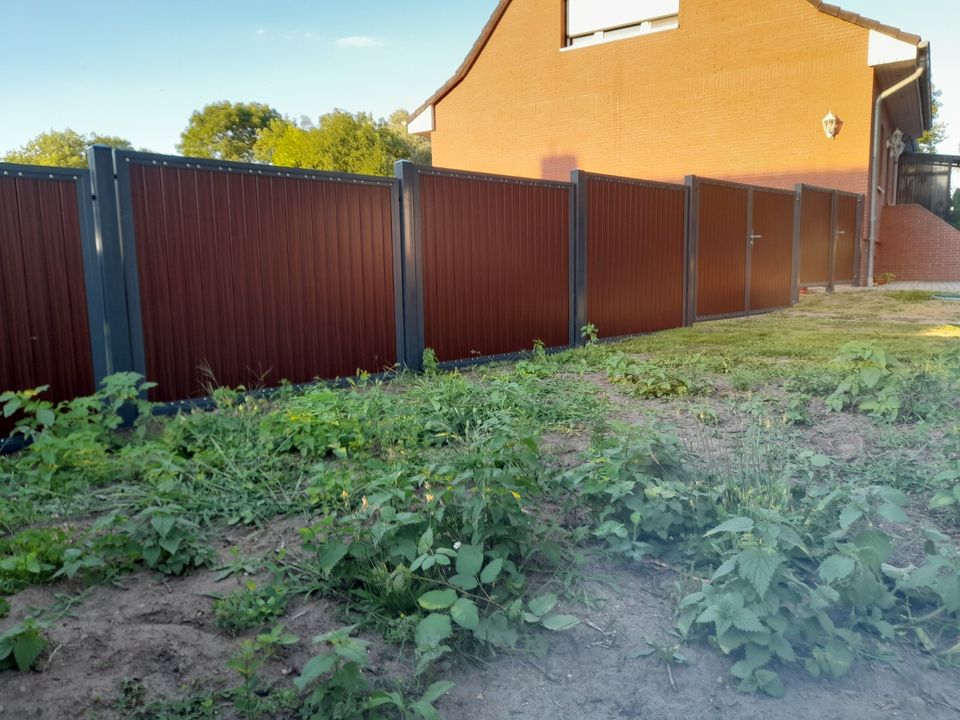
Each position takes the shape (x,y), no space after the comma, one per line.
(875,165)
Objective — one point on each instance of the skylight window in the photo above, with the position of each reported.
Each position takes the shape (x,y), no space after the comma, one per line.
(593,21)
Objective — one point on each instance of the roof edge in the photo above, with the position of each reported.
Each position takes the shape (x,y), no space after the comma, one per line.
(498,13)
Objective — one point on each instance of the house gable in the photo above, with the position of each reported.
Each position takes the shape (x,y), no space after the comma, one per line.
(422,120)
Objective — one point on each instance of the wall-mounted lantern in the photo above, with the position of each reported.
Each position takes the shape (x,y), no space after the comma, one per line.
(832,125)
(896,144)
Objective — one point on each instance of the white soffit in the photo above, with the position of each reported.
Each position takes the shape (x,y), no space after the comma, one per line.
(884,49)
(422,123)
(589,16)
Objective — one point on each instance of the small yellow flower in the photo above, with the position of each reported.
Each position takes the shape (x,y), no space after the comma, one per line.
(429,497)
(516,495)
(344,494)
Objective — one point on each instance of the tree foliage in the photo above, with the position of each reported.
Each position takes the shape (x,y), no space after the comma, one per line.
(938,131)
(226,131)
(62,148)
(341,142)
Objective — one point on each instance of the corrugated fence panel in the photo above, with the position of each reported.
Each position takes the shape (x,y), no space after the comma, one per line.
(721,249)
(250,279)
(815,228)
(635,255)
(495,264)
(43,305)
(847,240)
(771,255)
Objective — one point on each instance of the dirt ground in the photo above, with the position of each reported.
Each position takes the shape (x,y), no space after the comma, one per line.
(162,633)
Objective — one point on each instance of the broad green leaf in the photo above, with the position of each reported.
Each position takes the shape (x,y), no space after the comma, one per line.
(469,559)
(464,613)
(734,525)
(725,569)
(948,588)
(46,417)
(892,513)
(836,567)
(27,649)
(11,406)
(437,599)
(465,582)
(543,604)
(559,622)
(314,668)
(758,566)
(820,460)
(329,555)
(433,630)
(943,499)
(746,620)
(769,682)
(352,650)
(491,571)
(849,515)
(163,524)
(426,541)
(425,710)
(436,691)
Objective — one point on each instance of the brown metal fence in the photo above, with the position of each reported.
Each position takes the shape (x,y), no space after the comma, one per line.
(829,232)
(47,261)
(494,266)
(197,272)
(743,247)
(634,235)
(250,278)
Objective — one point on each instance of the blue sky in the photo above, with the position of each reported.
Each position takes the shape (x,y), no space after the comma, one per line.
(139,68)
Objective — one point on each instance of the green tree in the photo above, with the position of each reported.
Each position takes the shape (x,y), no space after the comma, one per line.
(340,142)
(416,148)
(62,148)
(938,132)
(226,131)
(954,214)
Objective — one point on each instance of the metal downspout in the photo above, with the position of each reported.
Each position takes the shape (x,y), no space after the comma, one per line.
(875,165)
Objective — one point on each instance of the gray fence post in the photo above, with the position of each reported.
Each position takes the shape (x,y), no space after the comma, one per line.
(411,267)
(578,268)
(690,269)
(106,225)
(834,229)
(797,216)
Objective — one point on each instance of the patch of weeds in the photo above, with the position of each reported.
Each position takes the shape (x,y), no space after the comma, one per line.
(877,384)
(199,706)
(30,557)
(252,606)
(635,491)
(71,442)
(337,689)
(647,379)
(796,410)
(252,698)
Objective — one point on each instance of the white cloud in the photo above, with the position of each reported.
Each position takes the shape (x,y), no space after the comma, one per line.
(358,41)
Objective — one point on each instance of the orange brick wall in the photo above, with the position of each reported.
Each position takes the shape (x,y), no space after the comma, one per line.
(917,245)
(737,92)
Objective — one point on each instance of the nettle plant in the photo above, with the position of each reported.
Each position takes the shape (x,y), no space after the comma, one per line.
(876,383)
(74,439)
(646,379)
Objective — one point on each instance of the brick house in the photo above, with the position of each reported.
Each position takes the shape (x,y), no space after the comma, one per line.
(730,89)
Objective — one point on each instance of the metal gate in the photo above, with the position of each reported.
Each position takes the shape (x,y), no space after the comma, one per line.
(829,236)
(743,249)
